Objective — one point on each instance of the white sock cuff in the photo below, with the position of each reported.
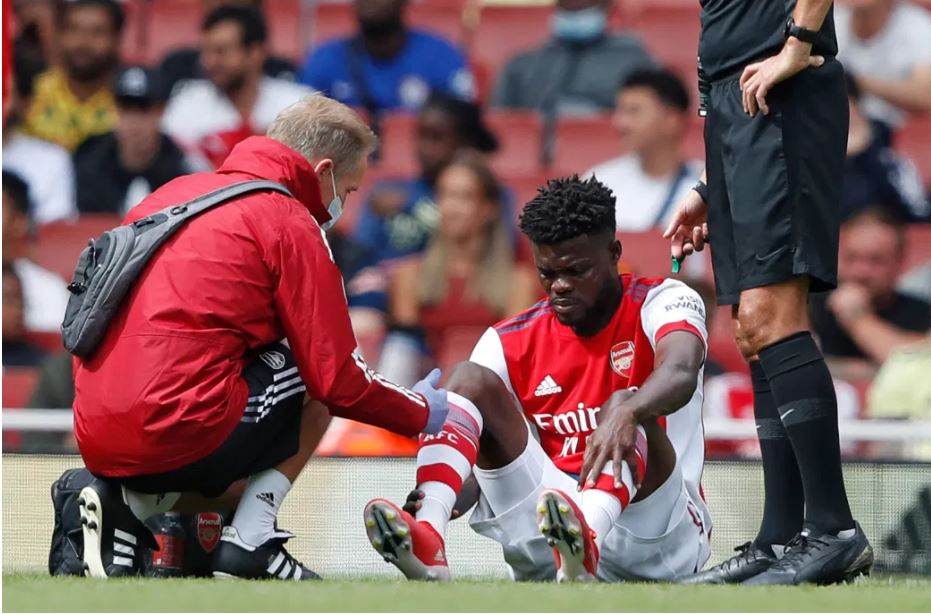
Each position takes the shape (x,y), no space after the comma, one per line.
(468,407)
(274,478)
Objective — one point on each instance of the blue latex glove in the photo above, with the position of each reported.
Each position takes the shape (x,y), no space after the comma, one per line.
(437,403)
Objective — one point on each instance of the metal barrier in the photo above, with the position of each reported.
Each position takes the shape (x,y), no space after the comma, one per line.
(325,510)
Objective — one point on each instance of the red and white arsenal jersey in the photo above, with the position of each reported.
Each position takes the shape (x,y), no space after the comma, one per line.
(560,379)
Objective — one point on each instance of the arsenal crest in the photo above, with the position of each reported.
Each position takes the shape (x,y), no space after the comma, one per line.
(209,527)
(622,357)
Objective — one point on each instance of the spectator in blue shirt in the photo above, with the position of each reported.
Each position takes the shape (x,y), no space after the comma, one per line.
(386,65)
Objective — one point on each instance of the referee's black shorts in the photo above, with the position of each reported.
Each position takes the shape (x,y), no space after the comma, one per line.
(267,434)
(774,182)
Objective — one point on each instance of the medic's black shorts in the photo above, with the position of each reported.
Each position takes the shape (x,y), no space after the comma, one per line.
(268,432)
(775,181)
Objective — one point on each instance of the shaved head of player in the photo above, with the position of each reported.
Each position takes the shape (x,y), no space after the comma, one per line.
(571,418)
(576,255)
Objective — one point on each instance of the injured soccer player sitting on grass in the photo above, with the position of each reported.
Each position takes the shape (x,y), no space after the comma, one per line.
(579,420)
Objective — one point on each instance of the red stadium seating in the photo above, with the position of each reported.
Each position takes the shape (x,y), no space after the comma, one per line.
(155,27)
(48,341)
(18,383)
(670,32)
(523,187)
(583,142)
(918,246)
(503,32)
(520,141)
(398,154)
(335,19)
(914,140)
(60,243)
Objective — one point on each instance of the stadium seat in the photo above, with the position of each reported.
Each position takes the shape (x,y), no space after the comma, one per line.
(670,32)
(48,341)
(18,383)
(505,31)
(914,141)
(60,243)
(156,27)
(523,187)
(694,144)
(397,153)
(582,142)
(918,246)
(520,141)
(336,19)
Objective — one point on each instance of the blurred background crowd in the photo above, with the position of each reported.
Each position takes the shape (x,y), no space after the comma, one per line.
(476,103)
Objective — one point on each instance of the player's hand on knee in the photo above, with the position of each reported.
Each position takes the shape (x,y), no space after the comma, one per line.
(688,229)
(615,441)
(437,403)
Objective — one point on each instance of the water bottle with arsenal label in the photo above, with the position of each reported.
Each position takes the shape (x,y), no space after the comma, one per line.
(168,560)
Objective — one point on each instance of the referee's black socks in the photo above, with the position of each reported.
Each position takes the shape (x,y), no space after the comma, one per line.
(784,499)
(804,393)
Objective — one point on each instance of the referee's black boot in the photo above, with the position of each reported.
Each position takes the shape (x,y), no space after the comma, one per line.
(234,558)
(749,561)
(819,558)
(114,539)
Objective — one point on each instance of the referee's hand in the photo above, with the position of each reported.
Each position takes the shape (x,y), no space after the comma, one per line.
(688,229)
(760,77)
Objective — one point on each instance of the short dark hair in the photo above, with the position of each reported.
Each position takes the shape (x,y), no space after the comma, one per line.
(566,208)
(17,190)
(883,216)
(470,125)
(664,83)
(115,10)
(248,18)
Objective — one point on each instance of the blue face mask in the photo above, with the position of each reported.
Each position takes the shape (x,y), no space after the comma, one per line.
(335,208)
(582,26)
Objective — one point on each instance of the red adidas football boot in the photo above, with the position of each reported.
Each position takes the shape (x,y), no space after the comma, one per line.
(566,531)
(413,547)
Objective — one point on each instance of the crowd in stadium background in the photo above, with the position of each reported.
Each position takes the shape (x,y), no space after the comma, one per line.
(476,104)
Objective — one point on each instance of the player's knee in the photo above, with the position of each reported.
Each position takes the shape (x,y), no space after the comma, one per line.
(754,326)
(476,383)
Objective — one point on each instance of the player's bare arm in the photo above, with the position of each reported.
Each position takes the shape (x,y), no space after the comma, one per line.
(679,357)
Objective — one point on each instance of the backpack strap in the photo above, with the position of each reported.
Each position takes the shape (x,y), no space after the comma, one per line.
(207,201)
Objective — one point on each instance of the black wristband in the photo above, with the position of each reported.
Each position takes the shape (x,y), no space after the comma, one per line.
(702,188)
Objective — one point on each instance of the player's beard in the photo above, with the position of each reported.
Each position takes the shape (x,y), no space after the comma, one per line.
(601,311)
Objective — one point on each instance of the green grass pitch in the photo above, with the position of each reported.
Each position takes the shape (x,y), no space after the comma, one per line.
(33,592)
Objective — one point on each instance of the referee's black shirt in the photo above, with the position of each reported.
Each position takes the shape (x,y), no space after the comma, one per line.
(737,32)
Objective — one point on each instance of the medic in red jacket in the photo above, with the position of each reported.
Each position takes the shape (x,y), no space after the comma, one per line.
(165,388)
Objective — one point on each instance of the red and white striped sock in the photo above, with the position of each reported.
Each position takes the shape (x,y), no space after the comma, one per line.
(603,502)
(445,460)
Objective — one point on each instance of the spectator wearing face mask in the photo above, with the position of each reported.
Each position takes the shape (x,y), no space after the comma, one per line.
(387,65)
(116,170)
(578,70)
(75,101)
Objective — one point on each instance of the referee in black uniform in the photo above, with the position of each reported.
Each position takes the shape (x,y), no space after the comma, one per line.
(769,204)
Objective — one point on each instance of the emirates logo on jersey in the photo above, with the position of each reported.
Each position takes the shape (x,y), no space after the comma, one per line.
(622,357)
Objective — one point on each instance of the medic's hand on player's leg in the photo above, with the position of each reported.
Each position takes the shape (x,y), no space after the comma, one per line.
(614,440)
(467,498)
(437,403)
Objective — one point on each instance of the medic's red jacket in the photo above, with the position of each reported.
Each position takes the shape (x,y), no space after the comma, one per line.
(164,388)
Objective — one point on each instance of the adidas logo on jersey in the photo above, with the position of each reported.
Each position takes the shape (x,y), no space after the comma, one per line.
(547,386)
